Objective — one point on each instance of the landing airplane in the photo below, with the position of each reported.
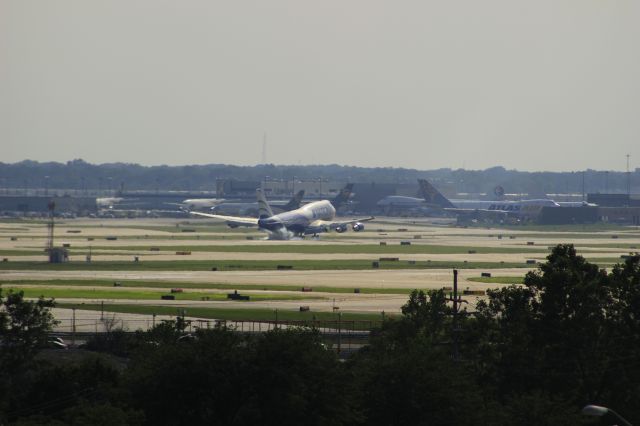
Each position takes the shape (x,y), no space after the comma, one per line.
(311,219)
(252,209)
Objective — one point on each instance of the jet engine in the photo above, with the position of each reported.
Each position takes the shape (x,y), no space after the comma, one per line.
(340,228)
(358,226)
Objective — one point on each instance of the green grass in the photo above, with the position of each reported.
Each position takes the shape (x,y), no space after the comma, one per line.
(327,248)
(7,230)
(26,221)
(560,237)
(198,227)
(85,293)
(591,227)
(498,280)
(250,265)
(622,246)
(196,285)
(230,314)
(6,253)
(187,236)
(604,261)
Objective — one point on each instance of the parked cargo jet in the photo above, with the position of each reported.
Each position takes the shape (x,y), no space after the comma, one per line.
(525,209)
(402,203)
(200,203)
(108,202)
(310,219)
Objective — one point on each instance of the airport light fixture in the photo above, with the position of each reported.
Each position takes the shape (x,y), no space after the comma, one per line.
(597,410)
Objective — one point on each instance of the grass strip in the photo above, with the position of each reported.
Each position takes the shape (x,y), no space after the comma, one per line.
(230,314)
(497,280)
(253,265)
(221,227)
(5,253)
(196,285)
(327,248)
(86,293)
(558,236)
(622,246)
(588,227)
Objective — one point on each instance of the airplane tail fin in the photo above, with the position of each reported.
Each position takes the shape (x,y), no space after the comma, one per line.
(294,203)
(343,196)
(432,195)
(264,209)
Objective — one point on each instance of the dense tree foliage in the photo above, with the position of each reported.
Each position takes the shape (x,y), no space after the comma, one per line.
(570,333)
(24,327)
(281,377)
(533,354)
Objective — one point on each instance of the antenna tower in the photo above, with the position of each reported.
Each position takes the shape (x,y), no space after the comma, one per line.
(628,178)
(51,206)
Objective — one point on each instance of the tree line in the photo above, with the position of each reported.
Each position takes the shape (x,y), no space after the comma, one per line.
(533,354)
(82,176)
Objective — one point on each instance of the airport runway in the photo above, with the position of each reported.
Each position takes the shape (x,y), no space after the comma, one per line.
(138,235)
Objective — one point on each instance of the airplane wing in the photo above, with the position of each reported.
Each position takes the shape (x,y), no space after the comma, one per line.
(231,220)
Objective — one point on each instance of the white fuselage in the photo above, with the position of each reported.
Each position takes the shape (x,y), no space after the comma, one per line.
(201,203)
(401,201)
(299,220)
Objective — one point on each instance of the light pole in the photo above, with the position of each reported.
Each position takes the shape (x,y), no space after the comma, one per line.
(596,410)
(628,180)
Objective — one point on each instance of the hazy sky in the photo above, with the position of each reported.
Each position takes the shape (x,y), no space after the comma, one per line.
(532,85)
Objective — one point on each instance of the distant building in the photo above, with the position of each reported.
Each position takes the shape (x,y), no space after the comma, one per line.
(568,215)
(238,188)
(614,200)
(622,215)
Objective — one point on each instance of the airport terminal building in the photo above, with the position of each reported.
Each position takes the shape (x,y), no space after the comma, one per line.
(24,205)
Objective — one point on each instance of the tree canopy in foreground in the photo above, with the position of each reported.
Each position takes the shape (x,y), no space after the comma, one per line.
(531,354)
